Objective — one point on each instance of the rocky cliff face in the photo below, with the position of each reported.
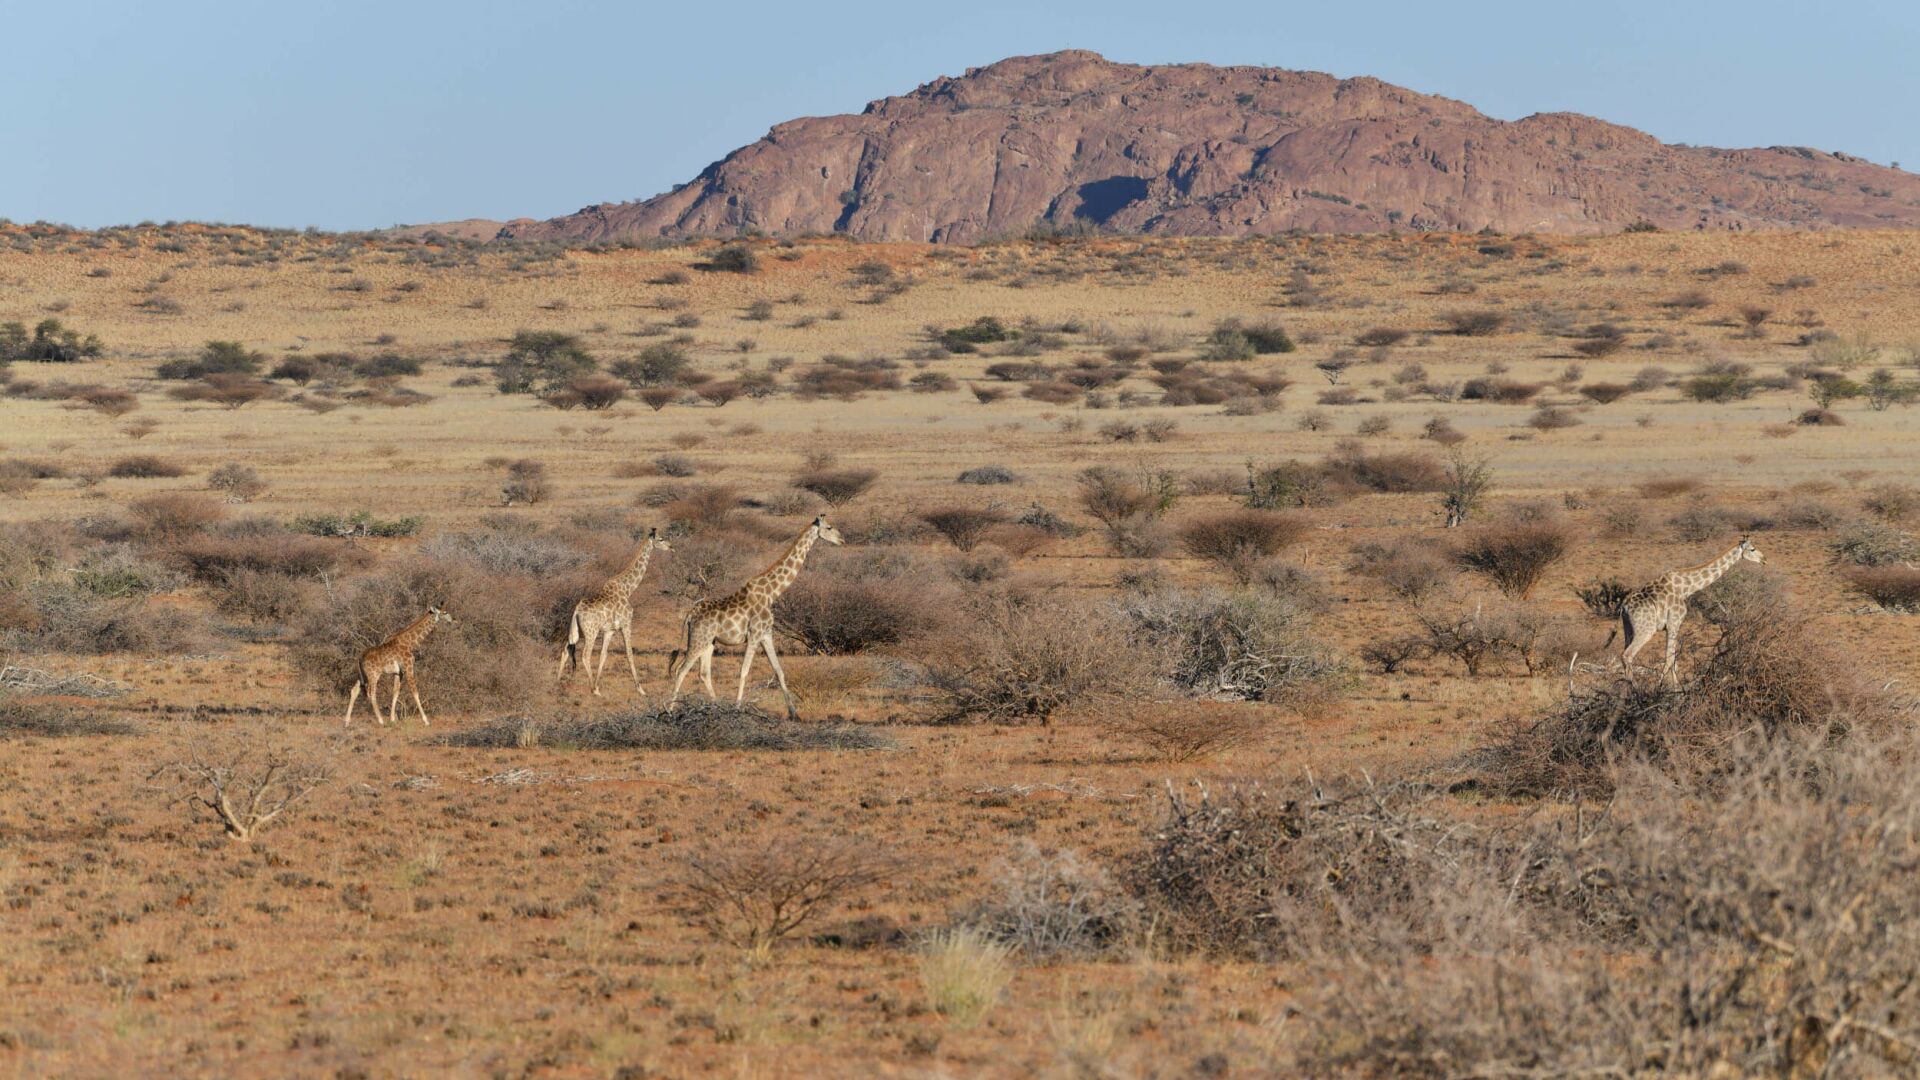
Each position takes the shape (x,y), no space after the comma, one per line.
(1071,139)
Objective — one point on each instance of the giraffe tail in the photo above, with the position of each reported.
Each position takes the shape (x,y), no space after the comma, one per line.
(686,631)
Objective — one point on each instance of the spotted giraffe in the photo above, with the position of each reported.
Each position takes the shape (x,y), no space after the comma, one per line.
(609,610)
(394,657)
(745,618)
(1662,605)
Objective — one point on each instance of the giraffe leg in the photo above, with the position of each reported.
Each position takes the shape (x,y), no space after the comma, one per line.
(606,643)
(781,674)
(1672,671)
(626,637)
(353,697)
(706,671)
(746,664)
(413,685)
(393,707)
(1642,634)
(686,668)
(373,697)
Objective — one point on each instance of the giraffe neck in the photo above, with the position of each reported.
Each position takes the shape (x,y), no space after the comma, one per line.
(416,632)
(1693,579)
(629,579)
(781,574)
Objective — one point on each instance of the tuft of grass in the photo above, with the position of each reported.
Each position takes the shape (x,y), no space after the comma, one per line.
(965,972)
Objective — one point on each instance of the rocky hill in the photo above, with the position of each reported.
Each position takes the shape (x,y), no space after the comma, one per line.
(1072,139)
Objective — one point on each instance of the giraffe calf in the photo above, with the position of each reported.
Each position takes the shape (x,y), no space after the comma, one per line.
(394,657)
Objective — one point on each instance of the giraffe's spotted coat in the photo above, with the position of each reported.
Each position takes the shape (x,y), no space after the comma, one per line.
(1662,604)
(394,657)
(609,610)
(745,618)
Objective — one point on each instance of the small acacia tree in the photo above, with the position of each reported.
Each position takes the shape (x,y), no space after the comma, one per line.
(244,784)
(1468,481)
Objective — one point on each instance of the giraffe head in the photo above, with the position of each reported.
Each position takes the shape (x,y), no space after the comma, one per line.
(825,531)
(440,616)
(654,538)
(1749,552)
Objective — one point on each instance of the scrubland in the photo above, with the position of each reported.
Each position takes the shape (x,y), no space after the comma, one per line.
(1214,680)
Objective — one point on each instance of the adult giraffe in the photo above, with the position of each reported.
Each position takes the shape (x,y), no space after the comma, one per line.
(745,618)
(1662,605)
(609,610)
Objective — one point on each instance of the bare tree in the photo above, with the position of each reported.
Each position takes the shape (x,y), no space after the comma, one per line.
(244,785)
(754,895)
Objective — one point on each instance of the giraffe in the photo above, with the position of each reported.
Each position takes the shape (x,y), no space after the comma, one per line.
(745,618)
(607,611)
(1662,605)
(394,657)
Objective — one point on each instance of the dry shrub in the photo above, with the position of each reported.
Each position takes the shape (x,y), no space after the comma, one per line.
(1894,502)
(1481,323)
(1130,504)
(58,617)
(526,483)
(1771,673)
(702,508)
(1871,543)
(1479,634)
(707,564)
(1011,658)
(692,724)
(1553,418)
(1392,472)
(1239,541)
(1756,931)
(1389,655)
(1408,569)
(175,514)
(497,654)
(1703,521)
(241,483)
(866,599)
(1186,730)
(145,467)
(1605,393)
(1263,872)
(47,720)
(1515,555)
(1055,903)
(264,597)
(34,550)
(963,526)
(1896,588)
(211,556)
(1244,645)
(1503,391)
(504,551)
(989,474)
(751,895)
(837,486)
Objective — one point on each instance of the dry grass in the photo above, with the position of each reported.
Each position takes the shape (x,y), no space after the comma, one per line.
(537,868)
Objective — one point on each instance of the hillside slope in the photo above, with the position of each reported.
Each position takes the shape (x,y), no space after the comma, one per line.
(1071,139)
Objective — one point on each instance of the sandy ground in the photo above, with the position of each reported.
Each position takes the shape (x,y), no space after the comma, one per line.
(502,912)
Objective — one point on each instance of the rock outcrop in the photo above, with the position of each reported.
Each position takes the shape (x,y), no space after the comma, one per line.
(1072,139)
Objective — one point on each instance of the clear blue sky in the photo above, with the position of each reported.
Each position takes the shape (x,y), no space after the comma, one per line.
(363,115)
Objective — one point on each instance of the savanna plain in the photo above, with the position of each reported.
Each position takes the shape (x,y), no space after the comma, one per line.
(1214,678)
